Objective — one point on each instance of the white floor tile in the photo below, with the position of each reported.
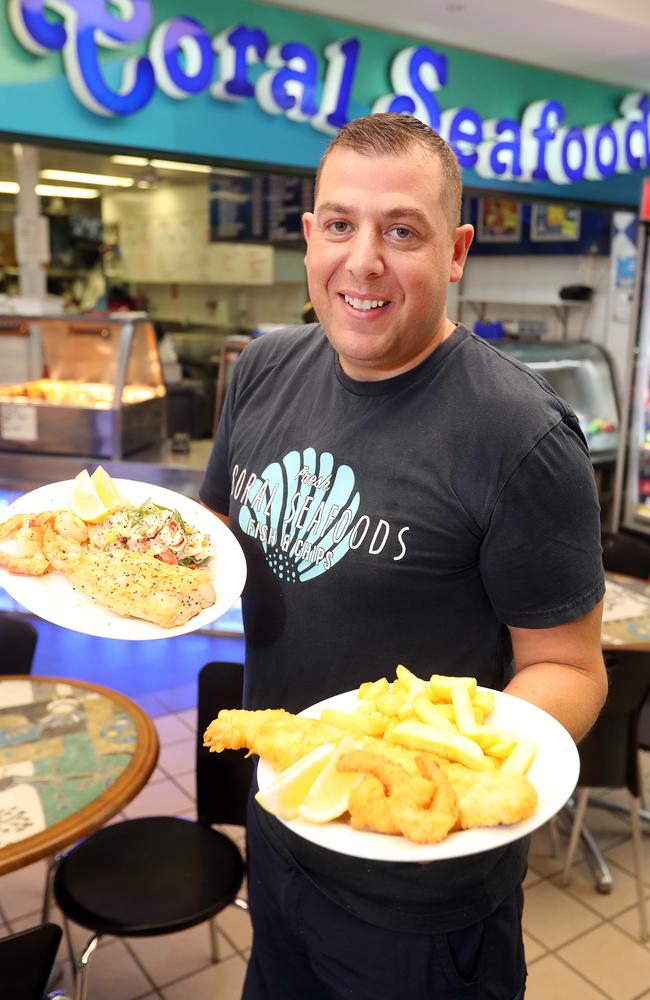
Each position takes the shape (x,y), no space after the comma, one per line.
(551,979)
(187,782)
(608,905)
(114,974)
(22,891)
(609,959)
(171,957)
(163,798)
(189,718)
(178,758)
(223,980)
(236,925)
(552,917)
(170,729)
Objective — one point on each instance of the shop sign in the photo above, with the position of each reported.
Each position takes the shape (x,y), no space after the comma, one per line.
(184,60)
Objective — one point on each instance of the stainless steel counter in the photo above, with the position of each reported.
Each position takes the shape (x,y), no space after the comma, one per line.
(158,465)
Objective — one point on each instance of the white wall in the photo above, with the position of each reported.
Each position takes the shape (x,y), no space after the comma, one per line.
(166,255)
(528,284)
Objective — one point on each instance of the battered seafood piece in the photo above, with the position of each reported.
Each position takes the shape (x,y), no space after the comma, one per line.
(369,807)
(422,807)
(490,798)
(138,585)
(278,736)
(282,738)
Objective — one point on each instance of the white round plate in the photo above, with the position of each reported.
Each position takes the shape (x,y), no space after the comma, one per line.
(53,598)
(554,773)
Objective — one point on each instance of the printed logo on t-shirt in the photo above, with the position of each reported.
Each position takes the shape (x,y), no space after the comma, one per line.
(305,513)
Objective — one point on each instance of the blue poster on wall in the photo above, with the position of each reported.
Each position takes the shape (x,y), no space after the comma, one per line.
(538,228)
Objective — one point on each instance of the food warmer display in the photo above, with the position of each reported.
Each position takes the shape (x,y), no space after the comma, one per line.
(80,385)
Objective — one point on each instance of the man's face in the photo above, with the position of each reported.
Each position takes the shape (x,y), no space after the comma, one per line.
(380,256)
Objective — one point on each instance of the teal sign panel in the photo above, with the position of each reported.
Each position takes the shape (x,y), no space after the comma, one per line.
(250,84)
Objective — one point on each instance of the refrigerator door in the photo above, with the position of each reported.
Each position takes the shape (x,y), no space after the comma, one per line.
(636,497)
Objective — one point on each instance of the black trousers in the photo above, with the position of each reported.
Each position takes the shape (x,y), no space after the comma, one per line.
(306,947)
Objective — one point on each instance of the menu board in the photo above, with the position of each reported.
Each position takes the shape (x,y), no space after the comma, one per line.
(258,208)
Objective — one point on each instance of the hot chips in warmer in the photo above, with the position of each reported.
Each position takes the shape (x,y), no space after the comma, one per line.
(444,715)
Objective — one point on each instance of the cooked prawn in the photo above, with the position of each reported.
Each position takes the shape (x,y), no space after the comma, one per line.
(23,548)
(369,806)
(64,535)
(490,798)
(422,807)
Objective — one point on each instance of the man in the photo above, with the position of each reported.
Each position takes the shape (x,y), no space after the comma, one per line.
(403,493)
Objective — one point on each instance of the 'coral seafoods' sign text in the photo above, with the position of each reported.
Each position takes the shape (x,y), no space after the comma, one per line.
(241,63)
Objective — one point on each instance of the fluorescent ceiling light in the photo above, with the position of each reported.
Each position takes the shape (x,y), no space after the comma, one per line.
(130,161)
(196,168)
(54,191)
(74,176)
(9,187)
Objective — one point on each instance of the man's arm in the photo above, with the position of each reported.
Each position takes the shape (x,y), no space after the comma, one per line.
(561,670)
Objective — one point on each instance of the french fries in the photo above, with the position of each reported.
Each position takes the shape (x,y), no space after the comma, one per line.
(444,715)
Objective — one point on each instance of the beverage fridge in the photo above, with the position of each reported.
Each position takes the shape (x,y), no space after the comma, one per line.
(631,509)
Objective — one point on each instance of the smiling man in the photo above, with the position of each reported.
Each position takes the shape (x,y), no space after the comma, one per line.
(406,494)
(382,248)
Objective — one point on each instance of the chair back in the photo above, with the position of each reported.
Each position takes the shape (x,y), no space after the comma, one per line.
(222,779)
(609,753)
(26,961)
(18,638)
(625,553)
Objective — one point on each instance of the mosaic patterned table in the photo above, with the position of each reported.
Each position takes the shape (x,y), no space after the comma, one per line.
(626,616)
(72,754)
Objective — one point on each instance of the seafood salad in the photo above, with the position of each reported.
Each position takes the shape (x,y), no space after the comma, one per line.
(160,531)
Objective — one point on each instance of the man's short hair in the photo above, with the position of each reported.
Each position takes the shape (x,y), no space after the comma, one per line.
(393,134)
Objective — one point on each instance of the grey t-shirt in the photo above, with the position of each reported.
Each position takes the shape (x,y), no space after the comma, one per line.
(408,520)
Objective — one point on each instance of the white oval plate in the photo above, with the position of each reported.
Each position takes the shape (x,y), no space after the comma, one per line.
(53,598)
(554,773)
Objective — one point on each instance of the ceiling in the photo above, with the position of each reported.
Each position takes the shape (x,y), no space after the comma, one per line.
(607,40)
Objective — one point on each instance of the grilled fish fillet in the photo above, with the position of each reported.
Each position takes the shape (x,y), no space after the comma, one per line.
(138,585)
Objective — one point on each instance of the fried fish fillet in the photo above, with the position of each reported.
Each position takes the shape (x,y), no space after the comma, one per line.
(282,738)
(138,585)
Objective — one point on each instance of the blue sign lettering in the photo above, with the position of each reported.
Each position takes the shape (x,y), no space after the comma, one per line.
(181,53)
(342,63)
(239,64)
(292,89)
(86,21)
(416,74)
(238,48)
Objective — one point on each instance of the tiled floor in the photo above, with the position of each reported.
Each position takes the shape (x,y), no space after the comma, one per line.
(580,944)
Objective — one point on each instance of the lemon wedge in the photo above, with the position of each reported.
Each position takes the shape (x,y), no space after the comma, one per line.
(105,488)
(92,500)
(284,796)
(329,795)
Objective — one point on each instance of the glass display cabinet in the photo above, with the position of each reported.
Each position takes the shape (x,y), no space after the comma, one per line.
(581,373)
(80,385)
